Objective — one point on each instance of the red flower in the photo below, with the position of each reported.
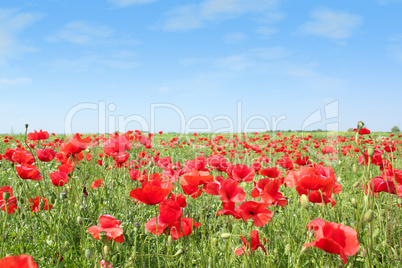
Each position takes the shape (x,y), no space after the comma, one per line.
(376,159)
(271,172)
(190,182)
(97,183)
(218,162)
(11,202)
(170,221)
(45,155)
(380,185)
(152,192)
(76,145)
(21,261)
(268,190)
(41,135)
(22,156)
(109,225)
(363,131)
(58,178)
(256,211)
(285,162)
(34,204)
(228,209)
(253,244)
(327,149)
(241,173)
(28,172)
(334,238)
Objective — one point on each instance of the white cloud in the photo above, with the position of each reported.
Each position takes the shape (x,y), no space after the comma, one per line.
(234,63)
(331,24)
(12,22)
(265,31)
(270,53)
(20,81)
(234,38)
(125,3)
(81,32)
(195,16)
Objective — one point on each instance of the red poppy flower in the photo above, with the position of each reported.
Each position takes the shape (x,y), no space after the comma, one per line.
(327,149)
(253,244)
(67,168)
(218,162)
(109,225)
(228,209)
(41,135)
(229,191)
(285,162)
(190,182)
(268,190)
(271,172)
(256,211)
(152,192)
(104,264)
(28,172)
(76,145)
(375,160)
(170,221)
(97,183)
(11,202)
(199,163)
(34,204)
(334,238)
(45,155)
(22,156)
(58,178)
(363,131)
(21,261)
(379,184)
(241,173)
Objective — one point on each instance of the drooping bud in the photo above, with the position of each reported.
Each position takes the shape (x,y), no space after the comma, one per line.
(360,125)
(305,203)
(179,252)
(369,216)
(354,168)
(353,201)
(80,221)
(170,240)
(63,195)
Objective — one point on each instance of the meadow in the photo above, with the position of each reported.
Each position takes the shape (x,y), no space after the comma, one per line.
(135,199)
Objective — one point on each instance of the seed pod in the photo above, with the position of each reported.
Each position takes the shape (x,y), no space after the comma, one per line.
(360,125)
(370,151)
(102,236)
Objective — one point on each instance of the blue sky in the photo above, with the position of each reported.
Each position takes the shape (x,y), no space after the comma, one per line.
(196,66)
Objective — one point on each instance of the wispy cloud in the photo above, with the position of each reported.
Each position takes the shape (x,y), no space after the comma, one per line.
(234,38)
(20,81)
(125,3)
(336,25)
(195,16)
(384,2)
(12,23)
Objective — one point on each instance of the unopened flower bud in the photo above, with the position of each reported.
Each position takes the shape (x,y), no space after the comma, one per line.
(66,244)
(370,151)
(106,250)
(369,216)
(41,204)
(6,196)
(179,252)
(305,203)
(170,240)
(360,125)
(226,235)
(356,184)
(354,168)
(399,201)
(353,201)
(89,254)
(80,221)
(102,236)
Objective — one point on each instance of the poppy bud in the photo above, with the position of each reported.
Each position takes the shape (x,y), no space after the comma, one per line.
(66,244)
(226,235)
(399,201)
(179,252)
(353,201)
(366,200)
(102,236)
(305,203)
(89,254)
(170,240)
(356,184)
(26,126)
(106,250)
(6,196)
(369,216)
(354,168)
(370,151)
(174,168)
(305,250)
(80,221)
(360,125)
(63,195)
(41,204)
